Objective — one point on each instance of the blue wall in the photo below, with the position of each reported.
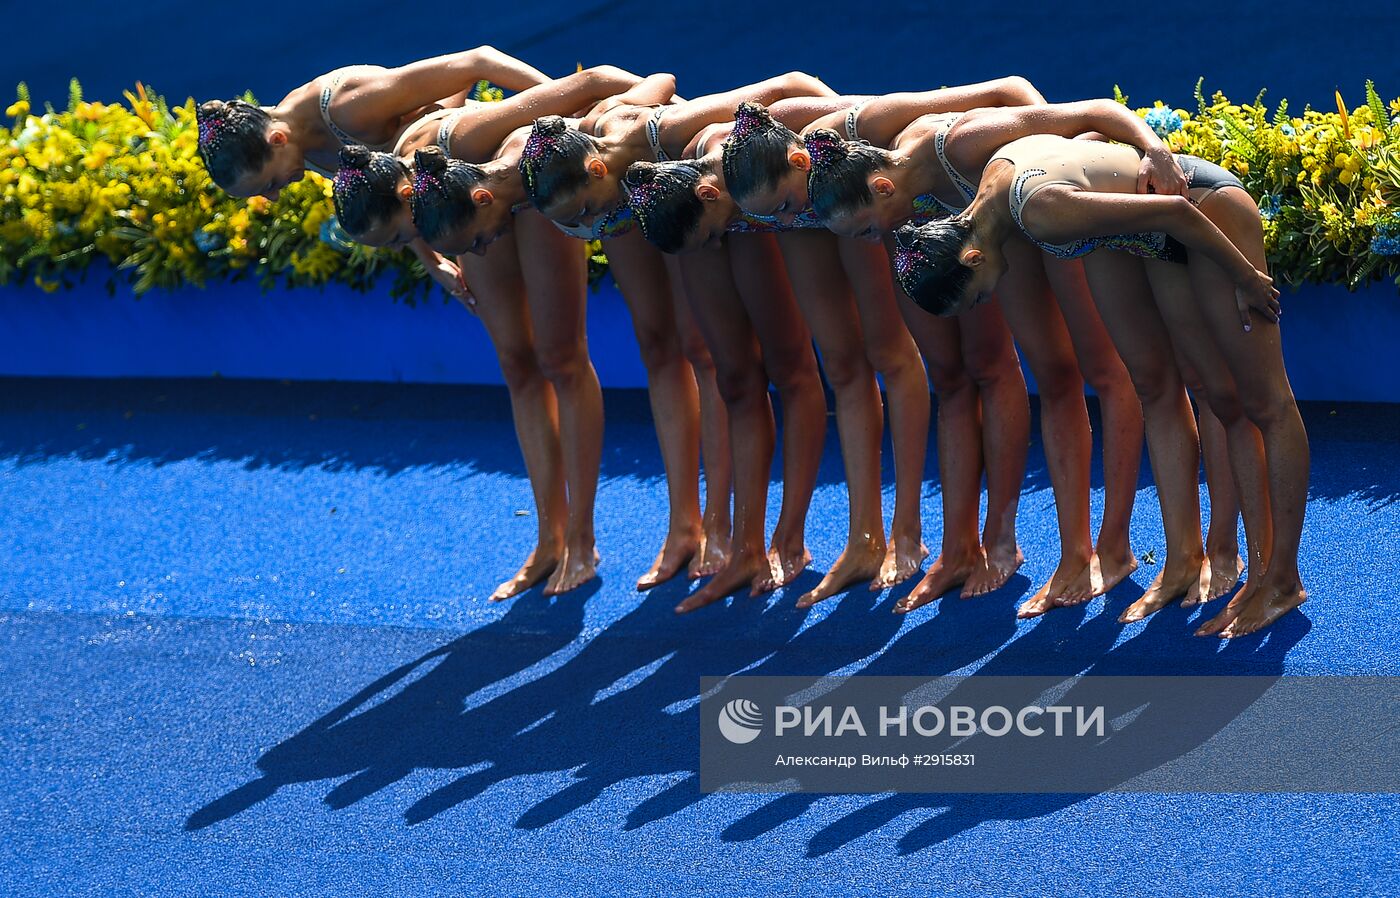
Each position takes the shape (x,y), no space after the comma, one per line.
(1339,345)
(1300,50)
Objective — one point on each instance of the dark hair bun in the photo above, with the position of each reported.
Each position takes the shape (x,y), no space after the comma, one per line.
(355,156)
(431,160)
(825,146)
(639,173)
(825,137)
(551,125)
(210,108)
(755,111)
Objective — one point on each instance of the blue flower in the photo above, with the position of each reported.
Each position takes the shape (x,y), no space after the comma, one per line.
(1287,129)
(1269,205)
(208,241)
(1385,243)
(334,235)
(1163,120)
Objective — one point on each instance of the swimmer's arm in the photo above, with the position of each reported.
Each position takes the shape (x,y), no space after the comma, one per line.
(501,69)
(653,90)
(372,98)
(650,91)
(975,138)
(1062,214)
(800,113)
(443,271)
(491,123)
(681,123)
(832,121)
(883,118)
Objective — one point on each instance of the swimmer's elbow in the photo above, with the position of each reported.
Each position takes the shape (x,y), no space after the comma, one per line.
(1016,90)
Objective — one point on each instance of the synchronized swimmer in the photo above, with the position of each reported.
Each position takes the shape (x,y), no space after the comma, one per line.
(923,237)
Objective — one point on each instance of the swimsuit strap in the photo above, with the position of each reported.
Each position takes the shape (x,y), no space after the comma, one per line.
(445,129)
(654,134)
(940,140)
(851,115)
(327,93)
(702,139)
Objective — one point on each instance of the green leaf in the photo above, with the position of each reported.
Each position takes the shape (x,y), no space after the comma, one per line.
(1378,111)
(1241,140)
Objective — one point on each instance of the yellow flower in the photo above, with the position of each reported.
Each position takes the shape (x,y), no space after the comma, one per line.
(46,286)
(1366,138)
(98,155)
(18,109)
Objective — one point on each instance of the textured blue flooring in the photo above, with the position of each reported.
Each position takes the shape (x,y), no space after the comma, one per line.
(244,651)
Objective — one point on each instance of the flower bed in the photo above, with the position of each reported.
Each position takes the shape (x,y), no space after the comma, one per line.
(1328,182)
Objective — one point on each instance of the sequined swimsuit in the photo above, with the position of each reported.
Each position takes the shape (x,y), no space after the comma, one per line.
(1112,170)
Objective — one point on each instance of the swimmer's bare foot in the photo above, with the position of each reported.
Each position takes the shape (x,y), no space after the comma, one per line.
(902,561)
(784,564)
(1176,581)
(859,561)
(538,566)
(998,564)
(713,554)
(1073,583)
(678,549)
(740,572)
(1264,606)
(576,567)
(1227,615)
(1115,566)
(1219,575)
(947,572)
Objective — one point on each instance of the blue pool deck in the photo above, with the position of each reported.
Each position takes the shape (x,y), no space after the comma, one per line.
(245,650)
